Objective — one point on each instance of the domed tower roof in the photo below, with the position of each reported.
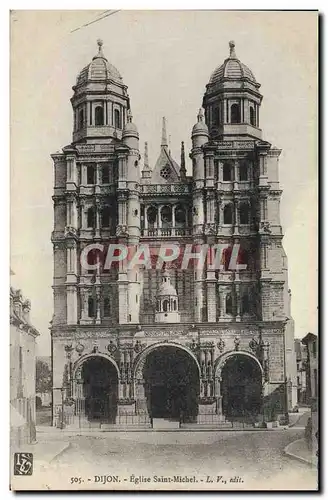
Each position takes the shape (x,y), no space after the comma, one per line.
(99,69)
(166,288)
(200,126)
(130,127)
(232,101)
(100,102)
(232,68)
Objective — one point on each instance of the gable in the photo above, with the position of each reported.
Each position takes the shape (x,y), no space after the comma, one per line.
(166,170)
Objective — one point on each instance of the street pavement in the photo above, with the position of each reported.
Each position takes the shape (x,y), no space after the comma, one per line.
(213,460)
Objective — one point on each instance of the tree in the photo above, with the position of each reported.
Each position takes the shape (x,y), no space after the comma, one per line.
(43,382)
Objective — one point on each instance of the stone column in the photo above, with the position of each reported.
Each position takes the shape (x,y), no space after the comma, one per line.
(146,219)
(98,167)
(218,395)
(84,304)
(236,218)
(98,304)
(159,219)
(237,297)
(97,208)
(222,298)
(219,215)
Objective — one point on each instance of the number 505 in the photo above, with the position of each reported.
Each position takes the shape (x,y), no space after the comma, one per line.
(76,480)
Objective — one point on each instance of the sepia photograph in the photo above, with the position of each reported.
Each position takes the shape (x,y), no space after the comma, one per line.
(163,250)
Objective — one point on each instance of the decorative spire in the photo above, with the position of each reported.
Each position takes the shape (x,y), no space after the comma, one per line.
(183,162)
(200,116)
(232,50)
(164,137)
(146,161)
(129,116)
(146,171)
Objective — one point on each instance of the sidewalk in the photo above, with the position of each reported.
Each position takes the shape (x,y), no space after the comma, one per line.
(46,448)
(299,450)
(299,419)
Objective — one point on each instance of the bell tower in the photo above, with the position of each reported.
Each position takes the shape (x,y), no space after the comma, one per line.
(232,100)
(100,102)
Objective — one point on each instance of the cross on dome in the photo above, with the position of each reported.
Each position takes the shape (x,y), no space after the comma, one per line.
(129,116)
(200,116)
(100,43)
(232,46)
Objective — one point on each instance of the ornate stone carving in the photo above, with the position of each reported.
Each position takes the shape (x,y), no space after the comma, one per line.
(193,345)
(253,344)
(70,231)
(206,344)
(138,347)
(112,347)
(265,227)
(121,231)
(237,343)
(221,345)
(79,348)
(164,333)
(68,349)
(210,229)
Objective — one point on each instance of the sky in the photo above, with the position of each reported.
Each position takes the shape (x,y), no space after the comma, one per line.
(166,59)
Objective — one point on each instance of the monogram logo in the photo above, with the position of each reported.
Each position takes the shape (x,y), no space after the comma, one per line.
(23,464)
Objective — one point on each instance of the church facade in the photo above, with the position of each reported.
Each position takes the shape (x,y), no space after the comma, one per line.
(200,344)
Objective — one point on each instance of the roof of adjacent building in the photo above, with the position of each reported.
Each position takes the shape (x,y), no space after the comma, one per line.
(17,316)
(232,68)
(99,69)
(309,337)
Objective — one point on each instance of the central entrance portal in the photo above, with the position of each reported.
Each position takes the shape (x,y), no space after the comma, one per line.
(100,389)
(171,384)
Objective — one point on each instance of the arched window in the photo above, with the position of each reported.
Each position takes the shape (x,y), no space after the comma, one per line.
(92,260)
(105,174)
(180,215)
(99,116)
(245,307)
(165,305)
(151,215)
(216,116)
(243,172)
(105,217)
(229,304)
(91,307)
(91,174)
(244,213)
(117,119)
(226,257)
(166,215)
(91,217)
(252,116)
(106,307)
(81,118)
(235,113)
(227,214)
(227,172)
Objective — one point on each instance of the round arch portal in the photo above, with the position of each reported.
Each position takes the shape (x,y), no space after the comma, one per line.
(96,388)
(240,375)
(170,375)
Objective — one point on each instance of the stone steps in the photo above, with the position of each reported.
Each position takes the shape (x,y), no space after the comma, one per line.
(165,424)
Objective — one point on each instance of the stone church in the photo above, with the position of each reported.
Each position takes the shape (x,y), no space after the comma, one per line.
(195,346)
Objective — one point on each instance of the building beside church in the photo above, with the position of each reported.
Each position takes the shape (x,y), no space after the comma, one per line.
(22,371)
(198,345)
(310,341)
